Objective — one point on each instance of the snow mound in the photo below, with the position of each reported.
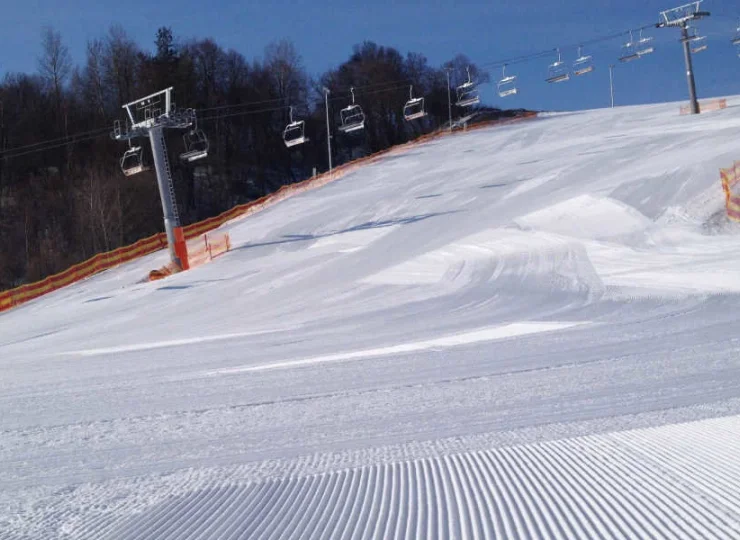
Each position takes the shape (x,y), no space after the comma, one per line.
(587,216)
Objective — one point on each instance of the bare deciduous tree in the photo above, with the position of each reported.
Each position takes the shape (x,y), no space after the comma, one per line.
(55,63)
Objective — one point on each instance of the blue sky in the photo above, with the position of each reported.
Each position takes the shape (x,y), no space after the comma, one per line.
(487,31)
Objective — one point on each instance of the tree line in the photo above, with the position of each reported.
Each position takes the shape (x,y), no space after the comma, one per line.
(63,197)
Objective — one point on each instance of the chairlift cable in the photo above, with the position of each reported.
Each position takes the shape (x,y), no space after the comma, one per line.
(285,107)
(344,97)
(243,104)
(63,140)
(548,52)
(242,113)
(8,154)
(392,85)
(277,100)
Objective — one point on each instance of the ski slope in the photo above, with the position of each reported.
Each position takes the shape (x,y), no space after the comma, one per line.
(521,331)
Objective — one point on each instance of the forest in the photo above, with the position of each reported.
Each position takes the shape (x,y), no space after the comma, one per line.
(63,197)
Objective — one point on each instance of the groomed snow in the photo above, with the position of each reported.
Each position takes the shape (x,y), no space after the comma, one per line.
(521,331)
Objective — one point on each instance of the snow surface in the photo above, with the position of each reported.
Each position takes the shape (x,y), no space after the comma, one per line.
(520,331)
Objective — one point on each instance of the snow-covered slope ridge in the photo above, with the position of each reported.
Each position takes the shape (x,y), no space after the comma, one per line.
(521,331)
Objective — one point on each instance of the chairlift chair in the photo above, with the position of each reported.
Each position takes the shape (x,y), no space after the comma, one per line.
(644,45)
(736,39)
(630,51)
(196,145)
(132,162)
(352,118)
(700,44)
(295,132)
(414,107)
(463,121)
(558,72)
(467,93)
(583,64)
(507,85)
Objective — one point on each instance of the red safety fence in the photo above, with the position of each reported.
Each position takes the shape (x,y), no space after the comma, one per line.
(207,247)
(111,259)
(706,106)
(730,180)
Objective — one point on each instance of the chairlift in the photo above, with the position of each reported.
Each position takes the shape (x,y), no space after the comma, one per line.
(630,51)
(132,162)
(698,43)
(414,107)
(644,45)
(295,132)
(352,118)
(583,64)
(558,71)
(507,85)
(736,39)
(467,93)
(196,145)
(196,142)
(463,121)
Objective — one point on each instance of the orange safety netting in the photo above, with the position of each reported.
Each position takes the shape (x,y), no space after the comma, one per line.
(207,247)
(730,179)
(98,263)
